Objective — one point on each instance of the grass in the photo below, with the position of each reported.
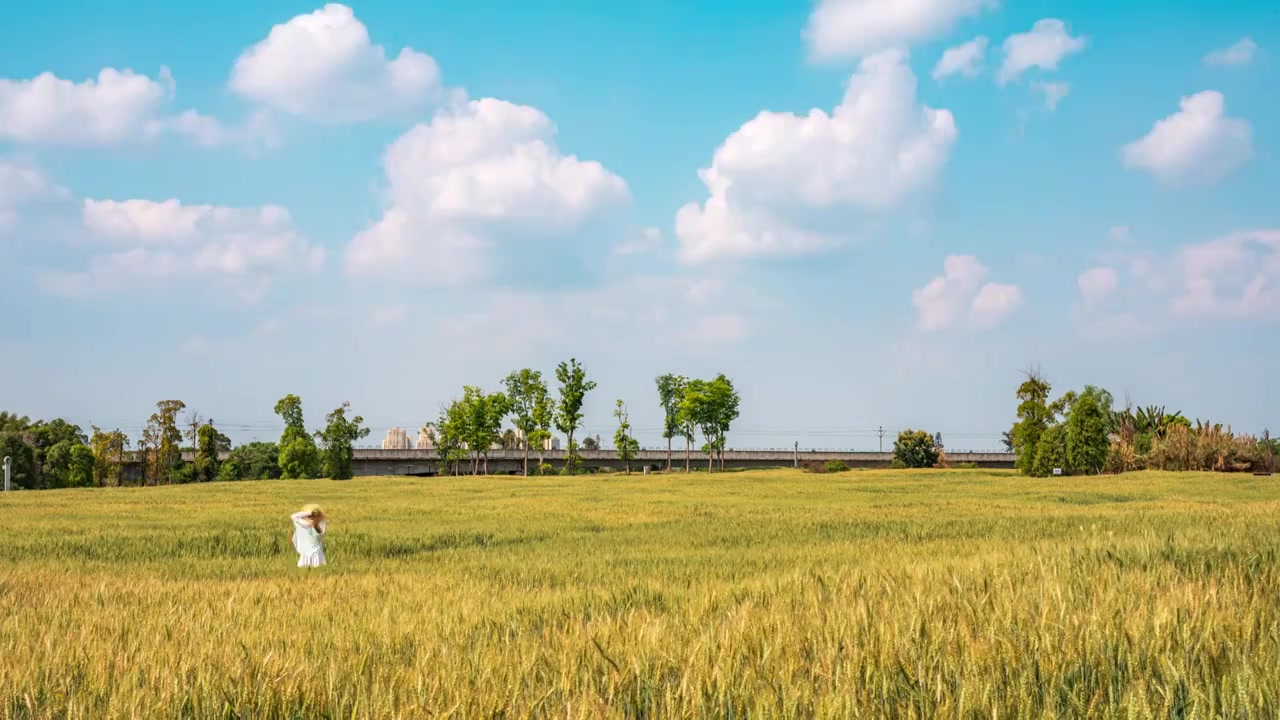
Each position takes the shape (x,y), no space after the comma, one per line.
(763,594)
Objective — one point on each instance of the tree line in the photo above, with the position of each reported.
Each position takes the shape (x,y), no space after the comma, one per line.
(1085,434)
(58,454)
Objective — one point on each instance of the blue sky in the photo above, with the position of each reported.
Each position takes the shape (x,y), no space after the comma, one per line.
(314,209)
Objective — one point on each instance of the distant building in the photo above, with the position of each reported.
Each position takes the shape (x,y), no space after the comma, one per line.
(426,440)
(551,443)
(397,439)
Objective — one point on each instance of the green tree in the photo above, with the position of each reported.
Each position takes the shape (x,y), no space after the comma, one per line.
(724,409)
(543,416)
(253,461)
(163,442)
(11,422)
(108,456)
(206,462)
(527,393)
(574,387)
(915,449)
(485,414)
(23,469)
(626,445)
(299,457)
(338,440)
(1034,417)
(1051,451)
(68,464)
(670,389)
(451,430)
(1090,422)
(698,410)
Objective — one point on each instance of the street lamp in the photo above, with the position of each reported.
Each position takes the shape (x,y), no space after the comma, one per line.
(8,463)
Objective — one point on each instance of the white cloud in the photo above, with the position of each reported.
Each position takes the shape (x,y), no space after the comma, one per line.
(772,179)
(1237,275)
(958,296)
(840,29)
(964,59)
(116,108)
(1044,46)
(477,176)
(153,242)
(323,65)
(1096,284)
(1198,144)
(1053,92)
(24,184)
(1241,53)
(640,241)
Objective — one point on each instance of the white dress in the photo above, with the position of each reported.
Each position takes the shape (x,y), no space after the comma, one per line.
(308,541)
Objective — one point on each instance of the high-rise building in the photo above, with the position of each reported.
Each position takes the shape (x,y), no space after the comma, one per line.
(397,439)
(425,440)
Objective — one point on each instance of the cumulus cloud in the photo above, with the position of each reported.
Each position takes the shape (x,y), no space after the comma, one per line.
(1053,92)
(958,296)
(1043,47)
(118,107)
(323,65)
(773,177)
(478,175)
(23,185)
(1096,284)
(1198,144)
(840,29)
(964,59)
(151,242)
(1237,275)
(1241,53)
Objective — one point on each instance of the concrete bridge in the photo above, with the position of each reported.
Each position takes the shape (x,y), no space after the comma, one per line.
(373,462)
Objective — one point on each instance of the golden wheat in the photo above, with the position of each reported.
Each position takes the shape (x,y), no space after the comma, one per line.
(764,594)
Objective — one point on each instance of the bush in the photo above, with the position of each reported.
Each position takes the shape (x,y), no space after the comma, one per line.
(967,466)
(836,466)
(915,449)
(546,469)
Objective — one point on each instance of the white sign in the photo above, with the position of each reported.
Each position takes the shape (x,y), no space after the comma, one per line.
(1057,471)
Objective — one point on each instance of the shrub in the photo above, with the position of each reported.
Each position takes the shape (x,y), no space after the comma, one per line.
(546,469)
(967,466)
(836,466)
(915,449)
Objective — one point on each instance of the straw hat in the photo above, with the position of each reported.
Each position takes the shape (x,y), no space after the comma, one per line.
(311,507)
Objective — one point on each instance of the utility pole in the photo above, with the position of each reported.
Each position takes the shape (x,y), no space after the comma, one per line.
(881,434)
(8,463)
(795,455)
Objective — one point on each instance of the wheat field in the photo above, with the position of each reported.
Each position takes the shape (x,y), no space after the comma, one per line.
(911,594)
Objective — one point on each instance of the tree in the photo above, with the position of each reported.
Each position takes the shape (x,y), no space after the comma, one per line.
(937,441)
(509,440)
(1006,439)
(527,393)
(254,461)
(451,432)
(1090,422)
(724,410)
(11,422)
(193,423)
(68,464)
(338,439)
(1051,451)
(697,409)
(915,449)
(591,443)
(484,414)
(574,387)
(670,389)
(1034,417)
(299,457)
(206,463)
(23,470)
(626,445)
(108,454)
(163,442)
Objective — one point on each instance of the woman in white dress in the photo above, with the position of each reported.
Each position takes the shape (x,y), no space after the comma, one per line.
(308,535)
